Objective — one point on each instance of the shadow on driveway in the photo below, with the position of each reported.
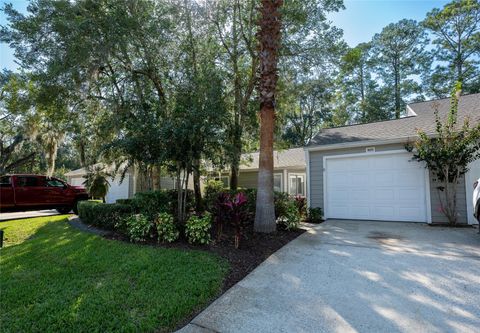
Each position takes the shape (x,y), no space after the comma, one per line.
(358,276)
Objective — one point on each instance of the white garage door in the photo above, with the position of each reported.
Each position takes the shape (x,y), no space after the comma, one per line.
(117,190)
(77,181)
(386,187)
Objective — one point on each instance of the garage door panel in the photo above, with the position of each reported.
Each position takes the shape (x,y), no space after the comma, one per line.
(383,194)
(410,194)
(383,178)
(361,211)
(383,212)
(379,187)
(339,196)
(383,163)
(359,195)
(339,180)
(359,178)
(340,211)
(409,212)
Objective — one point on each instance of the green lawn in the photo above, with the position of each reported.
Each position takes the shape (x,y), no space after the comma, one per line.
(56,278)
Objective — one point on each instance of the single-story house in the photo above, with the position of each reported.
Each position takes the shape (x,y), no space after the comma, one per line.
(119,189)
(289,171)
(363,172)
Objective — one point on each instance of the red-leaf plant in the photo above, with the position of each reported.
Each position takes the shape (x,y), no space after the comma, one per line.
(231,208)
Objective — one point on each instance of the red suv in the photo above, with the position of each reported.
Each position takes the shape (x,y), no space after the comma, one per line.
(31,192)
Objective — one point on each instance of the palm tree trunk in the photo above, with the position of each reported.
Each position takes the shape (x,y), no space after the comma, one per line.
(269,37)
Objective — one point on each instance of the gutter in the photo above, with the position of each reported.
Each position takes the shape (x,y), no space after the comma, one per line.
(359,144)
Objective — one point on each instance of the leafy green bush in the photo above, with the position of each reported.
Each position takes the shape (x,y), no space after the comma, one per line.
(282,203)
(212,189)
(198,229)
(290,217)
(139,227)
(172,195)
(125,201)
(166,228)
(301,203)
(152,203)
(315,215)
(105,216)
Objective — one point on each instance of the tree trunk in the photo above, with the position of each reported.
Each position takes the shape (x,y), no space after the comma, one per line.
(196,186)
(265,208)
(397,93)
(269,38)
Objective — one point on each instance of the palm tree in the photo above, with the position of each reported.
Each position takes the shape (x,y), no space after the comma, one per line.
(269,37)
(96,183)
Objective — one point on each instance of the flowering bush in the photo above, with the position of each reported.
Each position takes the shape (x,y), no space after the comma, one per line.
(166,228)
(198,229)
(139,228)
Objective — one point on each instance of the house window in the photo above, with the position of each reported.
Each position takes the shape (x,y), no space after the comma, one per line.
(278,182)
(225,180)
(296,184)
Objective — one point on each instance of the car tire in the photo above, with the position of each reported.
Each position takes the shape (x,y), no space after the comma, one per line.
(64,210)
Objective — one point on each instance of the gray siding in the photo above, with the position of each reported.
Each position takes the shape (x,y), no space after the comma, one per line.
(316,182)
(437,215)
(248,179)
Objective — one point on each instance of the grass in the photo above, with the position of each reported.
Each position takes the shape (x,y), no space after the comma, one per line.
(56,278)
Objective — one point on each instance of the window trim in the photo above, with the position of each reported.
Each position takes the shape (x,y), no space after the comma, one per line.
(281,181)
(297,175)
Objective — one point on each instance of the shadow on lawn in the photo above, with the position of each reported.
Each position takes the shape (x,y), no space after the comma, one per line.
(62,279)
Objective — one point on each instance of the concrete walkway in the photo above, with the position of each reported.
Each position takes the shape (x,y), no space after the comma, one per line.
(358,276)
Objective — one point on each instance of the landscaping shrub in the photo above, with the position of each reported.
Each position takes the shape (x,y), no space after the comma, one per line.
(139,227)
(151,203)
(125,201)
(105,216)
(290,217)
(172,197)
(166,229)
(315,215)
(282,202)
(212,189)
(301,203)
(198,229)
(232,209)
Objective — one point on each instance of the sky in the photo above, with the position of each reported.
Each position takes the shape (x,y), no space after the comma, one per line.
(360,20)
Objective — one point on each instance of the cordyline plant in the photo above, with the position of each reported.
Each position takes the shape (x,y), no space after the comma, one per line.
(448,153)
(231,208)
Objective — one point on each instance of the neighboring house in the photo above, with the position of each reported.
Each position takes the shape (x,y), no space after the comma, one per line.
(363,172)
(289,171)
(118,189)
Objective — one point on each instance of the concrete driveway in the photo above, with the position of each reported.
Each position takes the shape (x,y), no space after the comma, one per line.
(358,276)
(29,214)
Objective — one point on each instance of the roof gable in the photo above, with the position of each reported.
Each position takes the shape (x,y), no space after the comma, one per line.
(422,117)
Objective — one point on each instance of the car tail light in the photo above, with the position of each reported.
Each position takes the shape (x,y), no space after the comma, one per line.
(475,184)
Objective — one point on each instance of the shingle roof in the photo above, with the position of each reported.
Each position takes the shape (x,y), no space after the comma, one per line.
(468,107)
(84,171)
(281,159)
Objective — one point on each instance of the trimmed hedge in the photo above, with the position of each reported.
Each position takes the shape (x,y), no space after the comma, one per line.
(105,216)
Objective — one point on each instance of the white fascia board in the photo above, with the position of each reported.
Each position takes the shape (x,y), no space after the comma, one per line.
(359,144)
